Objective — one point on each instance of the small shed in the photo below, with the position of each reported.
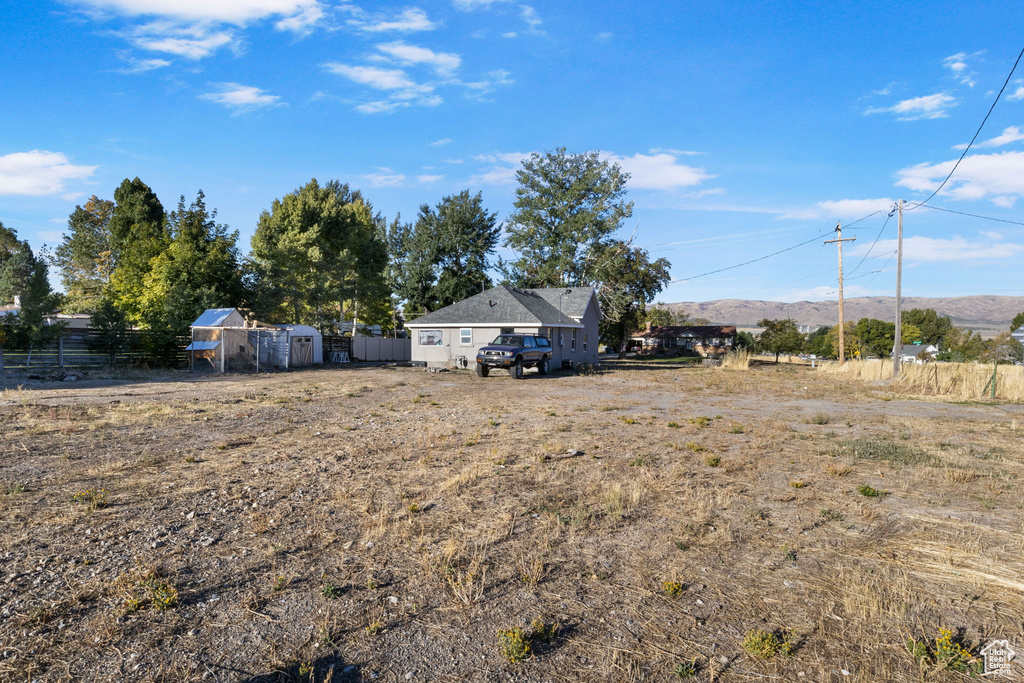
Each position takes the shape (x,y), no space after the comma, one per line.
(222,341)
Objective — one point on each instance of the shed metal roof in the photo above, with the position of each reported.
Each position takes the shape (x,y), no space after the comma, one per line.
(213,317)
(202,346)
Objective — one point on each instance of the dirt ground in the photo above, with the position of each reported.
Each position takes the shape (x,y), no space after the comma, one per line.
(646,522)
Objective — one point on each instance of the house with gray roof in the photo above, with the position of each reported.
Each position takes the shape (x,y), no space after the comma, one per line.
(568,316)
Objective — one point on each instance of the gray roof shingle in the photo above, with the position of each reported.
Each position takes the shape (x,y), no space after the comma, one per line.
(504,305)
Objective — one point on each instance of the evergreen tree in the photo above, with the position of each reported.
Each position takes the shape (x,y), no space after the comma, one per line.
(317,255)
(198,270)
(85,256)
(137,235)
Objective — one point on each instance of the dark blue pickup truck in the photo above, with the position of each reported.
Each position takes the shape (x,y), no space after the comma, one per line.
(515,352)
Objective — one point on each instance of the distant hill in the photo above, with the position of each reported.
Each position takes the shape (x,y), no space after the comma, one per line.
(988,315)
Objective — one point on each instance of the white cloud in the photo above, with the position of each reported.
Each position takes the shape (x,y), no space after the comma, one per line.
(604,35)
(676,152)
(826,292)
(510,34)
(490,81)
(1017,94)
(236,12)
(843,209)
(994,236)
(502,169)
(412,19)
(385,179)
(467,5)
(1009,134)
(429,178)
(241,98)
(919,249)
(933,106)
(38,173)
(659,171)
(443,63)
(529,15)
(191,43)
(138,66)
(997,177)
(958,65)
(379,79)
(440,143)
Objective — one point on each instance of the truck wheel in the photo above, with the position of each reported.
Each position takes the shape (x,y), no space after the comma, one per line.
(482,370)
(545,366)
(516,369)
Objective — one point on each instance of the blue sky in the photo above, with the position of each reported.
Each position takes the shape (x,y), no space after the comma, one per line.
(747,127)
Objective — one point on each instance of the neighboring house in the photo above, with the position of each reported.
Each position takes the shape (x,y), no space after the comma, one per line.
(1018,334)
(703,340)
(567,316)
(222,341)
(911,353)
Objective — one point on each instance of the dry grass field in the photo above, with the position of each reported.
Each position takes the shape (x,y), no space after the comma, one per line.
(648,522)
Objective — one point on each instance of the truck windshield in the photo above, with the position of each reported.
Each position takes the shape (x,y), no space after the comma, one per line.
(509,340)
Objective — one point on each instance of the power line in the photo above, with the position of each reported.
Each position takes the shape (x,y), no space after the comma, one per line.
(972,215)
(976,134)
(747,263)
(872,244)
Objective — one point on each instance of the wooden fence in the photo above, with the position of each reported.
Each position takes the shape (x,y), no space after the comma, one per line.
(78,349)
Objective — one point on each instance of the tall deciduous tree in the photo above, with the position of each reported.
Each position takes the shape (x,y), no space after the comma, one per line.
(444,257)
(137,235)
(199,269)
(566,207)
(1017,322)
(318,254)
(933,328)
(85,256)
(626,281)
(780,336)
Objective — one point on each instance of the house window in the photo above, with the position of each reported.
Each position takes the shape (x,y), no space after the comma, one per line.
(431,338)
(584,343)
(466,336)
(573,342)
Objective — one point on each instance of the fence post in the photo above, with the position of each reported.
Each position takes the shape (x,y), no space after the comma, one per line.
(60,352)
(995,364)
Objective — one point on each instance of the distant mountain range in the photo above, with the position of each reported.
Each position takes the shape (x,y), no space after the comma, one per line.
(988,315)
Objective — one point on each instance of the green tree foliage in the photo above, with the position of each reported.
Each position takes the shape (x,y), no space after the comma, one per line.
(111,329)
(465,236)
(197,270)
(780,336)
(626,280)
(744,341)
(961,345)
(137,235)
(875,337)
(1018,322)
(319,254)
(85,256)
(851,340)
(24,275)
(934,328)
(566,207)
(444,258)
(819,344)
(1004,349)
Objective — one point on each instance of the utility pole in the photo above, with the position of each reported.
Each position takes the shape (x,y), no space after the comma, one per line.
(842,332)
(897,346)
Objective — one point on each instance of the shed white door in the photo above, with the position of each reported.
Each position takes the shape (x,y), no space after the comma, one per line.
(302,351)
